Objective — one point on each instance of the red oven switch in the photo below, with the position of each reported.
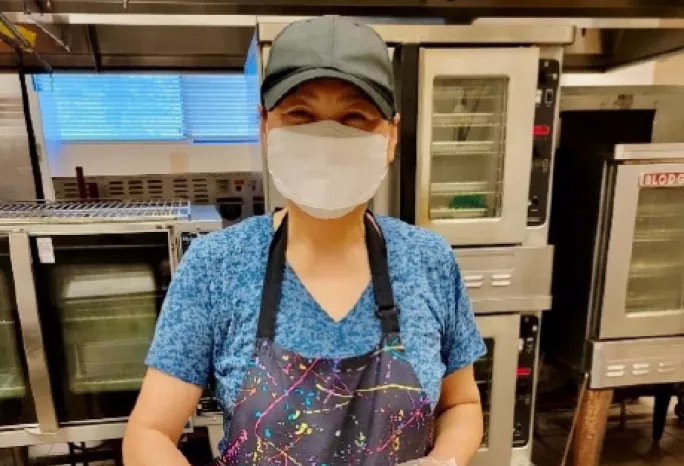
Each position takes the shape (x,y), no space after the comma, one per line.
(524,371)
(542,130)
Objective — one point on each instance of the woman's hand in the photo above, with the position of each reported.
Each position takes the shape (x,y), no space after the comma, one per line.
(163,407)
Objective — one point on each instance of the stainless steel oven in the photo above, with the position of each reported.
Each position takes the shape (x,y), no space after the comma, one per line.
(16,404)
(495,377)
(509,288)
(90,279)
(474,142)
(643,289)
(505,378)
(632,329)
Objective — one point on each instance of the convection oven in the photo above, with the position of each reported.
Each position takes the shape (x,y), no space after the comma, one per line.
(509,319)
(83,284)
(474,143)
(625,321)
(495,377)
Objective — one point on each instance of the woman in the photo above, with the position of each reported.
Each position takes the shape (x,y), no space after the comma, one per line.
(333,337)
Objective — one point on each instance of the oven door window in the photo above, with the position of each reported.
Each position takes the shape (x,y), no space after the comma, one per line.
(484,369)
(468,147)
(104,295)
(656,270)
(16,404)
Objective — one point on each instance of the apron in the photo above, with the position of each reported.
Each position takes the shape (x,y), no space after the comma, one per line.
(364,410)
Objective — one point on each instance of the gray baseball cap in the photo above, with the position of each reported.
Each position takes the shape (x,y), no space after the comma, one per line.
(329,47)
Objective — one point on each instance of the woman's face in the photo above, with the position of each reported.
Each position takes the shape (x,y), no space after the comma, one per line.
(331,99)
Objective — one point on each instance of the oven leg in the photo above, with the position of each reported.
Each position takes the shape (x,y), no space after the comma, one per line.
(623,414)
(591,427)
(20,456)
(663,395)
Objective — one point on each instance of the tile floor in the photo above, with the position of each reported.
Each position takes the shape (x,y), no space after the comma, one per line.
(630,446)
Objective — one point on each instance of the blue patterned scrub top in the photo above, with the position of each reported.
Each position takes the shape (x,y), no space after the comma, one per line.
(209,319)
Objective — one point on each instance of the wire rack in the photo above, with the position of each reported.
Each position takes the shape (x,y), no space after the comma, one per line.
(92,211)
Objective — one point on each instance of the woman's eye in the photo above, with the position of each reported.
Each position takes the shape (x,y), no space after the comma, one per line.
(300,115)
(356,117)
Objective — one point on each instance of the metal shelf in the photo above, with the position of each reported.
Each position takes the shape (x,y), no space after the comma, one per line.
(465,92)
(104,385)
(104,366)
(463,187)
(660,236)
(11,386)
(460,148)
(92,211)
(449,213)
(654,269)
(468,120)
(654,304)
(655,211)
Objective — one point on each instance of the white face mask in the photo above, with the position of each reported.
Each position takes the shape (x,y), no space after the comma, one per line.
(326,168)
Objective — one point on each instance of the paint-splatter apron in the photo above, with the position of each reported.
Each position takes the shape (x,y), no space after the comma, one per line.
(296,411)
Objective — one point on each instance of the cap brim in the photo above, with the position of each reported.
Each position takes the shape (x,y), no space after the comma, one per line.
(278,91)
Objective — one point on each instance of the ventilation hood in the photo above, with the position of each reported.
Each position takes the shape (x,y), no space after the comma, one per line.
(112,35)
(125,42)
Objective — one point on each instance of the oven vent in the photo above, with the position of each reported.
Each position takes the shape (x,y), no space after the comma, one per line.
(198,188)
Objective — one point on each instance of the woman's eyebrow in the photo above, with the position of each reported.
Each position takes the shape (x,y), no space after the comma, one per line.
(356,96)
(293,100)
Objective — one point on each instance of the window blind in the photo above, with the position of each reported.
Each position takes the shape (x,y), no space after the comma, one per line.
(125,107)
(202,108)
(221,108)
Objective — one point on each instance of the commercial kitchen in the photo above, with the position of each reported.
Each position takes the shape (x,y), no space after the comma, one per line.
(543,142)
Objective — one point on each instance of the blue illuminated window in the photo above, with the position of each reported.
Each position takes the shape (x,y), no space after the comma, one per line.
(221,108)
(148,107)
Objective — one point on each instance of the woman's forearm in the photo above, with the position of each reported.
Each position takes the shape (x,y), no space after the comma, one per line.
(458,433)
(148,447)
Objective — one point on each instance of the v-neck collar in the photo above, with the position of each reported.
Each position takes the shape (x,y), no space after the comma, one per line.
(291,274)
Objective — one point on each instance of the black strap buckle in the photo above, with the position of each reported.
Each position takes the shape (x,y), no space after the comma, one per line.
(389,319)
(387,312)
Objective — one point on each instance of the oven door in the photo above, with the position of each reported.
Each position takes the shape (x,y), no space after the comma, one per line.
(474,143)
(644,276)
(495,375)
(99,296)
(16,403)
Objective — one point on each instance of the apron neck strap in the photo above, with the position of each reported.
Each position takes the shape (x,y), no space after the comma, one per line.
(386,310)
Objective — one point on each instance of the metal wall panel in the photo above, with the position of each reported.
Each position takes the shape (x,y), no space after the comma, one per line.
(16,180)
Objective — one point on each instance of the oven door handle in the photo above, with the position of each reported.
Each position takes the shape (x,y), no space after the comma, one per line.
(31,331)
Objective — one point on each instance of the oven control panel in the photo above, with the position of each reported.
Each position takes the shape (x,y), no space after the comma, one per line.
(542,147)
(524,387)
(209,405)
(186,238)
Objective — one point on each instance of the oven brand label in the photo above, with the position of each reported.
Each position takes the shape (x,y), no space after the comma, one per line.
(657,180)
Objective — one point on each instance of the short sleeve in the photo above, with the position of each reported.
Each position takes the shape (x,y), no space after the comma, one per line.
(462,343)
(183,340)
